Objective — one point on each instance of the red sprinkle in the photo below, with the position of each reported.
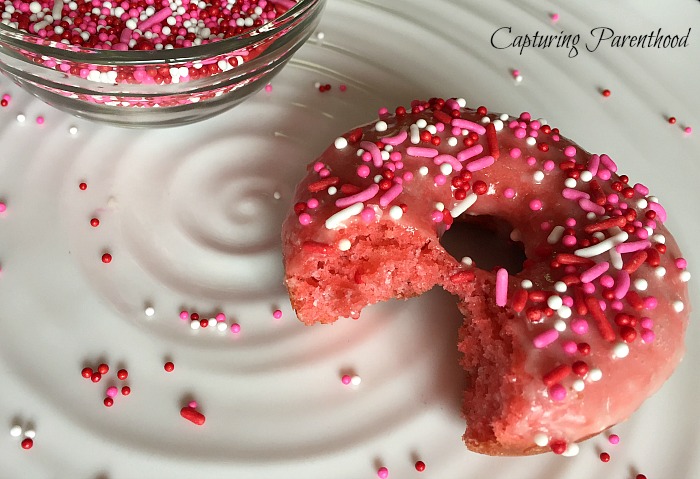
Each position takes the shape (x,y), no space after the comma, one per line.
(519,300)
(605,93)
(600,320)
(420,466)
(83,186)
(126,390)
(103,368)
(109,402)
(86,373)
(462,277)
(169,367)
(556,375)
(94,222)
(106,258)
(635,262)
(96,377)
(492,140)
(672,120)
(315,247)
(27,443)
(122,374)
(605,457)
(192,415)
(321,185)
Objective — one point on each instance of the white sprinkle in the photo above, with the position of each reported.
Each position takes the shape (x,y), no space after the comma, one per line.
(421,123)
(463,205)
(555,235)
(432,129)
(388,148)
(594,374)
(653,199)
(485,120)
(344,244)
(526,284)
(555,302)
(530,141)
(578,385)
(570,183)
(603,246)
(414,133)
(452,141)
(461,102)
(194,324)
(319,35)
(564,312)
(73,130)
(661,239)
(591,216)
(678,306)
(571,450)
(538,176)
(504,117)
(30,433)
(560,325)
(221,326)
(340,143)
(378,178)
(616,259)
(467,261)
(541,439)
(586,176)
(641,284)
(385,155)
(423,170)
(649,230)
(660,271)
(277,195)
(446,169)
(395,212)
(440,206)
(332,190)
(620,350)
(381,125)
(560,287)
(515,235)
(35,7)
(642,203)
(685,276)
(345,214)
(16,431)
(149,311)
(497,125)
(21,118)
(355,380)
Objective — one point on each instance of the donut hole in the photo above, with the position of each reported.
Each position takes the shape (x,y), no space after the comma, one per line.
(486,240)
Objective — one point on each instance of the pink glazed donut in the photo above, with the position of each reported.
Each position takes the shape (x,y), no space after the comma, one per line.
(564,349)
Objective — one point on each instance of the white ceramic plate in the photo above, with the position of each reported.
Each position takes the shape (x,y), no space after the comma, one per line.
(191,220)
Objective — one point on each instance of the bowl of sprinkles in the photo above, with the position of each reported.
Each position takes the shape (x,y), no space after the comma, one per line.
(150,63)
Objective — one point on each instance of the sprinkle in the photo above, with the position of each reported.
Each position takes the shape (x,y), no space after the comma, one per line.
(572,194)
(632,246)
(501,287)
(420,466)
(395,212)
(546,338)
(16,430)
(571,450)
(540,439)
(660,211)
(599,318)
(355,380)
(380,126)
(345,214)
(169,367)
(324,183)
(614,439)
(660,271)
(595,375)
(27,443)
(588,205)
(390,195)
(468,125)
(364,195)
(340,143)
(235,328)
(382,473)
(555,234)
(112,391)
(621,350)
(685,276)
(396,139)
(21,118)
(492,141)
(603,246)
(622,284)
(463,205)
(556,375)
(192,415)
(678,306)
(422,152)
(604,456)
(470,152)
(345,379)
(594,272)
(449,160)
(557,392)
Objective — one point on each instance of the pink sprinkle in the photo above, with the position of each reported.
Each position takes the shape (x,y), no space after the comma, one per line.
(632,246)
(374,151)
(363,171)
(318,166)
(364,195)
(641,189)
(594,271)
(525,116)
(647,323)
(235,328)
(535,205)
(112,391)
(437,216)
(607,281)
(520,133)
(569,241)
(614,439)
(617,305)
(440,180)
(554,17)
(688,130)
(531,161)
(3,207)
(470,152)
(623,284)
(39,120)
(346,379)
(613,199)
(545,339)
(382,473)
(608,162)
(509,193)
(454,162)
(312,203)
(221,317)
(567,301)
(480,164)
(572,194)
(367,215)
(604,174)
(548,165)
(648,336)
(681,263)
(570,347)
(184,315)
(501,287)
(304,219)
(452,104)
(579,326)
(468,125)
(390,195)
(421,152)
(651,302)
(515,152)
(557,392)
(324,173)
(396,139)
(277,314)
(570,151)
(343,87)
(546,225)
(193,404)
(588,205)
(383,111)
(408,176)
(593,164)
(515,72)
(589,288)
(366,156)
(268,87)
(660,211)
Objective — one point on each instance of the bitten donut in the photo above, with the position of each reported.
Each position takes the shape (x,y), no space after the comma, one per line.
(569,346)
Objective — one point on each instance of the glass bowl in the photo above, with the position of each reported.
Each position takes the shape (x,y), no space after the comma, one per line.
(156,88)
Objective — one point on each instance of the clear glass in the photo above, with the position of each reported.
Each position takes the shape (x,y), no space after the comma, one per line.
(156,88)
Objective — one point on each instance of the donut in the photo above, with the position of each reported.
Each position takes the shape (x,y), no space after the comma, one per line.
(573,343)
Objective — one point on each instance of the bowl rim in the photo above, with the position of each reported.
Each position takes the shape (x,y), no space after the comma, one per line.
(62,51)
